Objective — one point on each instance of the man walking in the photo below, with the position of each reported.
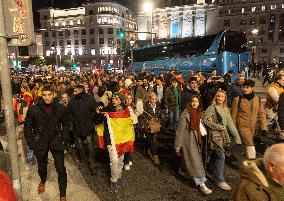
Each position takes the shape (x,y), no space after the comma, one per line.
(246,111)
(46,130)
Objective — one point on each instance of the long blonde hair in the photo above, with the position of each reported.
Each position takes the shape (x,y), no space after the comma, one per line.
(214,102)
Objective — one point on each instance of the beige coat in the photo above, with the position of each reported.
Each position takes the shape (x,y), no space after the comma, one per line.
(245,118)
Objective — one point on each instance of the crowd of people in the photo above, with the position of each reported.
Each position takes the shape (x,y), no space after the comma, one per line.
(206,113)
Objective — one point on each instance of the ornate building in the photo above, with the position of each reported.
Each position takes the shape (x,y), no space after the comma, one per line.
(179,21)
(263,23)
(85,34)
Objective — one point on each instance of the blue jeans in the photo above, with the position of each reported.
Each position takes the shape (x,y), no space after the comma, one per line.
(127,158)
(174,117)
(216,165)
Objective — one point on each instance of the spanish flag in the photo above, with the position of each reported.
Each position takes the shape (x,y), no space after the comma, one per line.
(121,131)
(100,133)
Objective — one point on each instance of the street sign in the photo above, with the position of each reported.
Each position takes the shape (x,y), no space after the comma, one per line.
(19,22)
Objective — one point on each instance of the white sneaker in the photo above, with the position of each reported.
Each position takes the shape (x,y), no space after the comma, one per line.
(127,167)
(130,163)
(224,186)
(204,189)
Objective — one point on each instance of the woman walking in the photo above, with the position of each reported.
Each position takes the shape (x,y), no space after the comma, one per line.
(218,118)
(135,112)
(188,143)
(151,126)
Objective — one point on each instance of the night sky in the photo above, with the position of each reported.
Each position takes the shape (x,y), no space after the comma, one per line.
(37,4)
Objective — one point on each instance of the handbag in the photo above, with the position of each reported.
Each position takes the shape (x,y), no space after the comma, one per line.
(202,129)
(154,124)
(218,139)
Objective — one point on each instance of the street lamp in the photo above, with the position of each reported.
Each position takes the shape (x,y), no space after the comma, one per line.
(254,32)
(148,8)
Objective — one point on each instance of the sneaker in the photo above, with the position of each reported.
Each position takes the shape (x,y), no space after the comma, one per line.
(205,190)
(127,167)
(130,163)
(224,186)
(114,187)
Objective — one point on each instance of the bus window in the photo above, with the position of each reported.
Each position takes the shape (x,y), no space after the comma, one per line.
(233,42)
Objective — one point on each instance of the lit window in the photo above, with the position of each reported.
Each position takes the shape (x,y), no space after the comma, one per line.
(93,51)
(71,22)
(243,10)
(253,8)
(229,11)
(63,23)
(78,21)
(273,6)
(282,5)
(263,8)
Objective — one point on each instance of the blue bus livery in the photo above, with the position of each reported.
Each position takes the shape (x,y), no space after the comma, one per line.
(224,51)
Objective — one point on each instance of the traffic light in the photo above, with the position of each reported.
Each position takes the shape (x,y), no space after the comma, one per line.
(74,66)
(120,34)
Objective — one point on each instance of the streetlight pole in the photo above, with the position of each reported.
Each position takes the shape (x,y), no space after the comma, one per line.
(148,7)
(152,38)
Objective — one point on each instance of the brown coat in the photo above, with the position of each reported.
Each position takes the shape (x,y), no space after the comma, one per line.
(245,118)
(254,186)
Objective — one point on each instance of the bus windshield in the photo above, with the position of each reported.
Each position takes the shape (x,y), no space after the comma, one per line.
(183,49)
(233,42)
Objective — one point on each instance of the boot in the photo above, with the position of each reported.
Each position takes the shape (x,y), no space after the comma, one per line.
(156,160)
(63,199)
(41,188)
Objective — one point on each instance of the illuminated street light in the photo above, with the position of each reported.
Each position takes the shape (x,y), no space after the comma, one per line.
(148,8)
(254,32)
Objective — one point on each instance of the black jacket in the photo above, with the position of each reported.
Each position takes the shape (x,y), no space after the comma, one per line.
(43,133)
(82,111)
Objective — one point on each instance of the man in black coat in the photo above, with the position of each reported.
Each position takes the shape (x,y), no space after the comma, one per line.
(46,130)
(82,111)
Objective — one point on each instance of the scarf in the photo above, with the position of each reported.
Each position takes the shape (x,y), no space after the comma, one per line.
(249,96)
(195,116)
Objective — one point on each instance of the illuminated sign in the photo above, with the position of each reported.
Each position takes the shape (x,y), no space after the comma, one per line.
(108,20)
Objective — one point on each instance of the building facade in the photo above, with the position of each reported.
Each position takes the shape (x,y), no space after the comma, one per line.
(179,21)
(86,34)
(263,23)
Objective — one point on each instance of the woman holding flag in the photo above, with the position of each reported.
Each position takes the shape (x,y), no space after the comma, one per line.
(118,135)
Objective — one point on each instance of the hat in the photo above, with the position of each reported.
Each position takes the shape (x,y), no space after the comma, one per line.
(249,83)
(120,95)
(192,79)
